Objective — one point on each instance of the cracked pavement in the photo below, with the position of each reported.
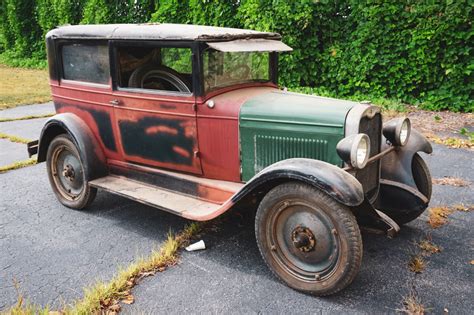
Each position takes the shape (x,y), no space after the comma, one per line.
(53,252)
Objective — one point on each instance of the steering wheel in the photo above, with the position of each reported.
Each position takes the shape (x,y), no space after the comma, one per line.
(239,72)
(158,77)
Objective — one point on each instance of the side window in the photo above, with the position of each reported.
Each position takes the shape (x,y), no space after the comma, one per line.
(153,68)
(86,63)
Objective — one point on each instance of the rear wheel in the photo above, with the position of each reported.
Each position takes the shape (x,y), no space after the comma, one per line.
(66,174)
(310,241)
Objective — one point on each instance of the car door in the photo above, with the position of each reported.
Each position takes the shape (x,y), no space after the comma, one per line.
(154,105)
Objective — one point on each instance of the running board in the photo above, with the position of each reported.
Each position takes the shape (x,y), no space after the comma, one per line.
(183,205)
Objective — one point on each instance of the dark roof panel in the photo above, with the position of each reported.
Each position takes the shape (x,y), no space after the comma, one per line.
(156,31)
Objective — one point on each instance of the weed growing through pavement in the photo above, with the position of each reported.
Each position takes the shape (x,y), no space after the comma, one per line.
(105,297)
(26,117)
(14,138)
(17,165)
(412,305)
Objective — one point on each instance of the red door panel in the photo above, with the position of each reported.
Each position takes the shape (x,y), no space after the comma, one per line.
(158,131)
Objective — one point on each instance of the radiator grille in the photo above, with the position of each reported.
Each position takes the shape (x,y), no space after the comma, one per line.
(271,149)
(369,176)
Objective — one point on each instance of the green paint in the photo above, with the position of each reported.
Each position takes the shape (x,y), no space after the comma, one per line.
(281,125)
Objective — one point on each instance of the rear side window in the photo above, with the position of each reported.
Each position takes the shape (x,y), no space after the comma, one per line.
(86,63)
(155,68)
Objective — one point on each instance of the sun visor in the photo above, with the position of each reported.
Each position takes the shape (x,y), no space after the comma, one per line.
(256,44)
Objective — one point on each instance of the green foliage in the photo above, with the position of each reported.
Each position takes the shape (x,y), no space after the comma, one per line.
(410,51)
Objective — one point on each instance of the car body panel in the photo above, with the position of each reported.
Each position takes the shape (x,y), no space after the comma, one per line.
(218,129)
(281,125)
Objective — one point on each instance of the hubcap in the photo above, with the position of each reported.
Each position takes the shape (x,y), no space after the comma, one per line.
(303,240)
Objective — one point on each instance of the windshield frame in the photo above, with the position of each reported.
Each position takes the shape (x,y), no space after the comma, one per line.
(273,73)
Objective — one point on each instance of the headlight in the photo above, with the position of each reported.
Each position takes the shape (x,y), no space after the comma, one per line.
(354,150)
(397,131)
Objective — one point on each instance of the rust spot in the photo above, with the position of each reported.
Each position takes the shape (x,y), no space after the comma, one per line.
(181,151)
(161,129)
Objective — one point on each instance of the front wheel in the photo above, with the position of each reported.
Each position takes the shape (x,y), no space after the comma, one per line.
(310,241)
(66,174)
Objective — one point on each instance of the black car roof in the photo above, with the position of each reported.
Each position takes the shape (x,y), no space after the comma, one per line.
(156,31)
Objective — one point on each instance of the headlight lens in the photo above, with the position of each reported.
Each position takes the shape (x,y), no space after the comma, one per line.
(404,131)
(354,150)
(397,131)
(362,150)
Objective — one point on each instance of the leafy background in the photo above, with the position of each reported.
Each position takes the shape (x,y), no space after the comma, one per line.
(418,52)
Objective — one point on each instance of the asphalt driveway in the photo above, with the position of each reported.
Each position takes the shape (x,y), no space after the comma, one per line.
(53,252)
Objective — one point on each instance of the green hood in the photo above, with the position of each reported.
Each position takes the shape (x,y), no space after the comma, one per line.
(281,125)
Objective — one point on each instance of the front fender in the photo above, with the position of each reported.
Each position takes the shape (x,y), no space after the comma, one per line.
(332,180)
(396,166)
(89,149)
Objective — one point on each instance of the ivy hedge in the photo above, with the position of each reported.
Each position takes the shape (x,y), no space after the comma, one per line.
(419,52)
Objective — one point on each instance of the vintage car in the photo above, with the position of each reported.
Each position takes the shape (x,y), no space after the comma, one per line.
(190,119)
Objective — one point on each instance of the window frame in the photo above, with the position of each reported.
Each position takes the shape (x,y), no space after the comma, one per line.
(59,48)
(115,65)
(273,70)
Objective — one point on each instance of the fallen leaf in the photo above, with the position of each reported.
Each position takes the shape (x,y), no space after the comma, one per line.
(129,299)
(115,308)
(451,181)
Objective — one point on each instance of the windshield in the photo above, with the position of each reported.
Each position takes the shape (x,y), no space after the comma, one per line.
(226,68)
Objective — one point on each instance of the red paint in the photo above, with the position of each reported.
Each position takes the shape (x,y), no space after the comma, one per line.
(70,95)
(218,130)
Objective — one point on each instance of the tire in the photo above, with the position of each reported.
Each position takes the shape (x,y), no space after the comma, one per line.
(66,174)
(309,241)
(164,74)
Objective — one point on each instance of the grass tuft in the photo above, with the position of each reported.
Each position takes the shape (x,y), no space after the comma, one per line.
(417,264)
(26,117)
(24,307)
(17,165)
(438,216)
(105,297)
(428,247)
(13,138)
(412,305)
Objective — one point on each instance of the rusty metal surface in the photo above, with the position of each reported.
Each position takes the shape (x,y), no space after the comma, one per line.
(90,151)
(218,129)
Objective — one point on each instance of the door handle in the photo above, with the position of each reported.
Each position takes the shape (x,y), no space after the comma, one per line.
(115,102)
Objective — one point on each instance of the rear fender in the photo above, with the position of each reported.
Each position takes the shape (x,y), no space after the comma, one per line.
(89,149)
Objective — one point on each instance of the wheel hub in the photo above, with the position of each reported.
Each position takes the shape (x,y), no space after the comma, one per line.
(303,239)
(68,172)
